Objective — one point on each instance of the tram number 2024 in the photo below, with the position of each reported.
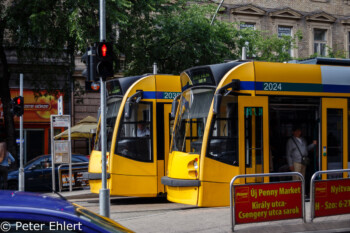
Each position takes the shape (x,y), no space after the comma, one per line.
(272,86)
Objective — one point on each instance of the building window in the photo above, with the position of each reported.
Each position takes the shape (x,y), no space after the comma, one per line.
(285,31)
(320,41)
(247,25)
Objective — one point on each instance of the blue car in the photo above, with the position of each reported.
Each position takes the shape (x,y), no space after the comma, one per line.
(38,173)
(30,212)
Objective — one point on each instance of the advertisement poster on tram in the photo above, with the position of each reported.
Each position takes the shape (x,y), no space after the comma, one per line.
(267,202)
(332,197)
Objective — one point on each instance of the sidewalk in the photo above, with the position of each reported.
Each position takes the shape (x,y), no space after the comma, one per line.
(75,194)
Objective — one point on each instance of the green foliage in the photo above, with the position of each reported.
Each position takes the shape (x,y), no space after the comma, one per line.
(263,46)
(177,37)
(335,53)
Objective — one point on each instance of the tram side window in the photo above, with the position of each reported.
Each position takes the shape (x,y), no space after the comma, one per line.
(113,105)
(223,141)
(134,135)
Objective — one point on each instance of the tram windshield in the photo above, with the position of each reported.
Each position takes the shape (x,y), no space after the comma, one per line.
(113,105)
(134,139)
(193,111)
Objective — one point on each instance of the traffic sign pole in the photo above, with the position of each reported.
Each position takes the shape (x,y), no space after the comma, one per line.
(104,192)
(21,170)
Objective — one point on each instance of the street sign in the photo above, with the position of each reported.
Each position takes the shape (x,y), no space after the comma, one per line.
(60,121)
(18,141)
(61,150)
(60,106)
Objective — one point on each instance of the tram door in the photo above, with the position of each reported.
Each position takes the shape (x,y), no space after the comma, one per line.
(334,151)
(164,129)
(253,136)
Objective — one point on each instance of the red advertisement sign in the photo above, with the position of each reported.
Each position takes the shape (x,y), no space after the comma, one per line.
(332,197)
(267,202)
(35,109)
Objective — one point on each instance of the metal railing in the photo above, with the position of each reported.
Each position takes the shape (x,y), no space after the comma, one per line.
(284,174)
(75,166)
(312,187)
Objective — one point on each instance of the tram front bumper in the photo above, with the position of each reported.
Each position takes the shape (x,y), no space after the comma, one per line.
(183,191)
(94,176)
(180,182)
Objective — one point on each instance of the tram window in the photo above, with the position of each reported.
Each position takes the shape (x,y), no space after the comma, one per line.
(189,129)
(334,140)
(113,105)
(134,135)
(223,141)
(253,137)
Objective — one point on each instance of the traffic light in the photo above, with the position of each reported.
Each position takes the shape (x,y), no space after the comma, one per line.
(104,59)
(18,105)
(89,59)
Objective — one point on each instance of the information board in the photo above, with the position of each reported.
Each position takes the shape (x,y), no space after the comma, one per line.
(332,197)
(267,202)
(62,150)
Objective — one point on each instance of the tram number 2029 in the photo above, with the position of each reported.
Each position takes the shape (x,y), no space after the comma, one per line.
(272,86)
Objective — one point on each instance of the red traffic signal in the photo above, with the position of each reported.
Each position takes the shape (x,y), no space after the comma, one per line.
(104,50)
(105,59)
(18,105)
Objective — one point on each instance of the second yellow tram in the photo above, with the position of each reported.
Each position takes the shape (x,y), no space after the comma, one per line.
(235,118)
(138,135)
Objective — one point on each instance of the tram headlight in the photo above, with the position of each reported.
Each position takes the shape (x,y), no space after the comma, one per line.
(195,165)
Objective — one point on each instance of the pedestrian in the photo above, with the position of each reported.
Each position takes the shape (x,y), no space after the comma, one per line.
(298,152)
(5,157)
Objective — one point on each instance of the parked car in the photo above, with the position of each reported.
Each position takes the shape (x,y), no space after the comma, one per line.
(24,212)
(38,173)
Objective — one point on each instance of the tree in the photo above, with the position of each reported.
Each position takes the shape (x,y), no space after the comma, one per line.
(45,35)
(177,37)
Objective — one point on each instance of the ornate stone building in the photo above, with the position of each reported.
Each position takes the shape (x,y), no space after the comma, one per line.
(324,24)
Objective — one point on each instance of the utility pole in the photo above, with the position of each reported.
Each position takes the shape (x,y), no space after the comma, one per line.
(104,192)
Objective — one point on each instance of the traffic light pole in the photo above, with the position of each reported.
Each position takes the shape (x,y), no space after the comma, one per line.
(21,170)
(104,192)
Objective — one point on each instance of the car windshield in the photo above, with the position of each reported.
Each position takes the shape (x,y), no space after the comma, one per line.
(193,111)
(101,221)
(113,105)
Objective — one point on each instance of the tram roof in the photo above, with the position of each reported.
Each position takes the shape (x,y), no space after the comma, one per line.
(324,61)
(121,85)
(210,74)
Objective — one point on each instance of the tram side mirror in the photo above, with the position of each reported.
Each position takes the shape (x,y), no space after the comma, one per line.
(135,98)
(174,106)
(217,102)
(127,110)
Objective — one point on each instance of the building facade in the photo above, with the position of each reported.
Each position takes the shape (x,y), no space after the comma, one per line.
(324,24)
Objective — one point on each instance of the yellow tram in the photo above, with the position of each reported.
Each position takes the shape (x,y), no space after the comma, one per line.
(138,134)
(235,118)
